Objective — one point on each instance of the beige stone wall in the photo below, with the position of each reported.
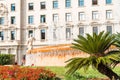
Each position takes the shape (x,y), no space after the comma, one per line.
(45,60)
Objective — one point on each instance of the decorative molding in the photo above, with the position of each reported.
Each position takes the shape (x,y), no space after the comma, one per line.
(3,9)
(42,26)
(108,23)
(69,24)
(30,27)
(95,24)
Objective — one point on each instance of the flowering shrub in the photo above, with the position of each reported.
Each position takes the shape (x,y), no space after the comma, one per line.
(25,73)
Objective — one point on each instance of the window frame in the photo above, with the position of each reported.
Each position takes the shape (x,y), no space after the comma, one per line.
(81,31)
(55,18)
(68,30)
(55,4)
(42,18)
(109,14)
(2,20)
(81,16)
(80,3)
(13,20)
(42,5)
(108,1)
(94,2)
(95,15)
(13,7)
(30,19)
(43,34)
(12,35)
(95,29)
(67,3)
(68,17)
(2,35)
(30,6)
(109,29)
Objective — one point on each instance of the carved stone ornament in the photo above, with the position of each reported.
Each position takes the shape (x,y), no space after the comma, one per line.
(2,9)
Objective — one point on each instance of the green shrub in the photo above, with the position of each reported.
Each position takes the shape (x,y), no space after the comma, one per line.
(75,76)
(6,59)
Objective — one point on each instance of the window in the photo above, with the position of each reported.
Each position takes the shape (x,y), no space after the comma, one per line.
(95,15)
(43,34)
(68,17)
(81,31)
(1,20)
(1,35)
(67,3)
(30,32)
(68,33)
(13,7)
(55,4)
(55,17)
(30,19)
(42,19)
(42,4)
(108,1)
(13,20)
(30,6)
(80,2)
(12,35)
(81,16)
(109,14)
(95,30)
(94,2)
(109,29)
(54,34)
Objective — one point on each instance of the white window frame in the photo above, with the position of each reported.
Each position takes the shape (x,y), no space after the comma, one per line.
(68,17)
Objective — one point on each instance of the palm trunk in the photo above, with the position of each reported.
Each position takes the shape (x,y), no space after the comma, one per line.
(108,72)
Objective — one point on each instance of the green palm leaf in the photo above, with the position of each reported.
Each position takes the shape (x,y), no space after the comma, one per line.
(97,46)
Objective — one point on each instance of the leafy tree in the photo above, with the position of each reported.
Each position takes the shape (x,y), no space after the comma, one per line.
(100,56)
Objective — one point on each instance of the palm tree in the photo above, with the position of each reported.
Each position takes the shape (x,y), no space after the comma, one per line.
(101,58)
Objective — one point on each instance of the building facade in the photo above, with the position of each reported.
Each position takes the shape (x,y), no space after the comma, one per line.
(53,22)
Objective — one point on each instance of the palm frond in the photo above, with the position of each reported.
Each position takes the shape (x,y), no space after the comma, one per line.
(95,43)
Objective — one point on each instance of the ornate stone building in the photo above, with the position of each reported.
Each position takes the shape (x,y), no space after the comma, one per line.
(53,22)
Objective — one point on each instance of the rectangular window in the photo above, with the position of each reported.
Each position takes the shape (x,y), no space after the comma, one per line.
(13,20)
(81,31)
(12,35)
(1,35)
(55,4)
(81,16)
(109,29)
(42,34)
(108,1)
(13,7)
(42,5)
(1,20)
(68,17)
(80,2)
(30,6)
(42,18)
(67,3)
(94,2)
(95,30)
(108,14)
(55,17)
(30,19)
(68,33)
(95,15)
(54,34)
(30,32)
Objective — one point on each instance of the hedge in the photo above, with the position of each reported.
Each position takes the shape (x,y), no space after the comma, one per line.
(6,59)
